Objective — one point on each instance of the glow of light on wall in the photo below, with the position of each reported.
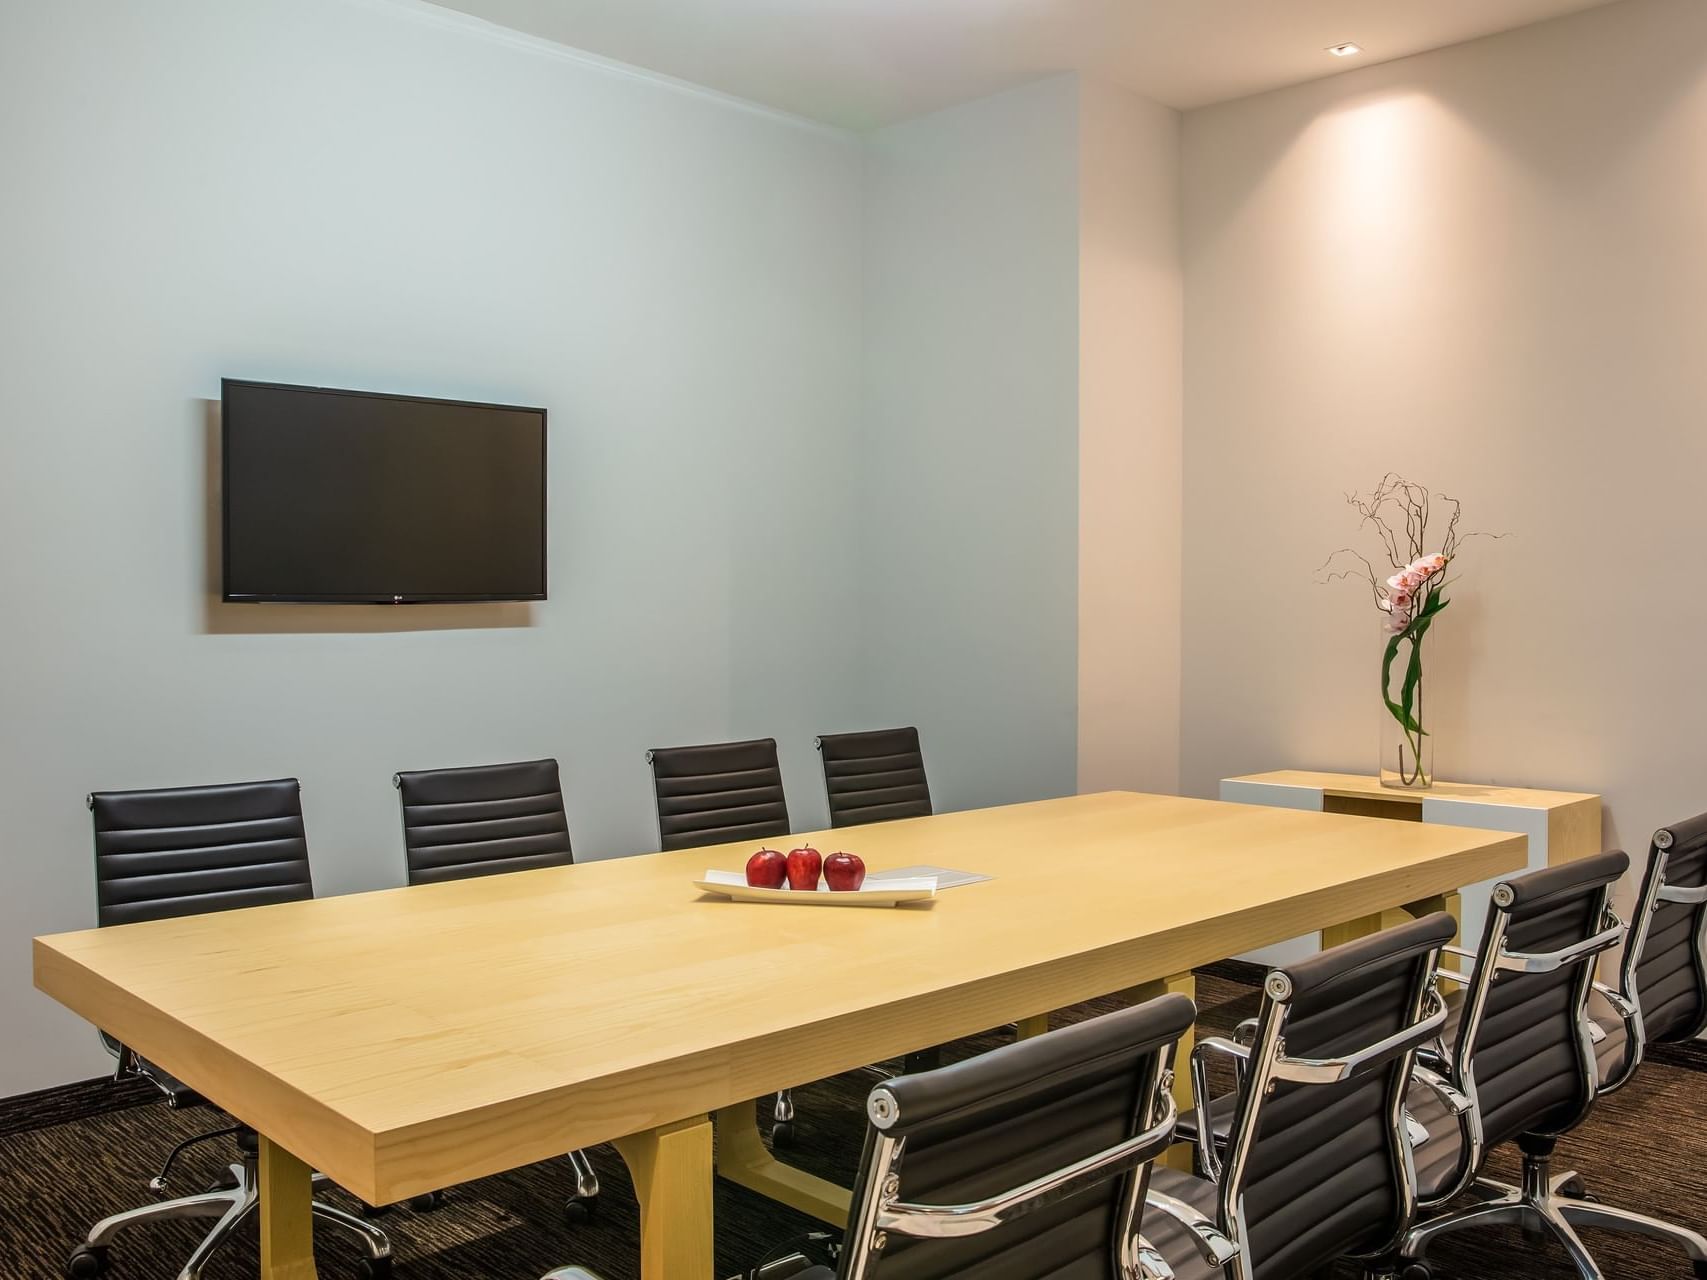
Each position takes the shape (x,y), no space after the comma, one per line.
(1363,183)
(1370,167)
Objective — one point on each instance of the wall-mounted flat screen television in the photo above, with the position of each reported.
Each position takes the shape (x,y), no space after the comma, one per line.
(354,498)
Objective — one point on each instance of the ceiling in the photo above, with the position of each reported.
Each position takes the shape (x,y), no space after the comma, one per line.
(861,64)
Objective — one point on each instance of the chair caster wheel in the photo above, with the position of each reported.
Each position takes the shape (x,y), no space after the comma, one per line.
(1415,1271)
(374,1268)
(1701,1271)
(782,1135)
(428,1202)
(87,1261)
(579,1210)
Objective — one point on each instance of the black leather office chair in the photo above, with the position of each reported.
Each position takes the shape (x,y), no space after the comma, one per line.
(165,854)
(1014,1162)
(482,821)
(1661,996)
(1027,1162)
(487,820)
(874,777)
(1519,1062)
(715,794)
(1316,1166)
(718,793)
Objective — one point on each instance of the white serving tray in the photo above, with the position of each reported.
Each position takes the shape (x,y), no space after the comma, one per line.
(877,891)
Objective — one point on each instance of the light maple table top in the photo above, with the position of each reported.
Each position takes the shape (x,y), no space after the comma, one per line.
(412,1038)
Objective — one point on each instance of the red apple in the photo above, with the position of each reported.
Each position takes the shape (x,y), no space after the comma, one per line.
(767,869)
(804,864)
(844,872)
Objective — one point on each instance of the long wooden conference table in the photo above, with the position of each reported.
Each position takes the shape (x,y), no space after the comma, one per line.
(410,1039)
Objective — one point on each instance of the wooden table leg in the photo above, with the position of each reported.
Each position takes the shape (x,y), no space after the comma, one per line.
(1340,934)
(1352,930)
(287,1219)
(1033,1026)
(672,1171)
(1179,1155)
(743,1158)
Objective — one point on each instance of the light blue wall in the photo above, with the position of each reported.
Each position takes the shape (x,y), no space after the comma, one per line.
(378,195)
(970,529)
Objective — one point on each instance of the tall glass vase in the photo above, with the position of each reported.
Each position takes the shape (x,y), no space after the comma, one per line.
(1407,737)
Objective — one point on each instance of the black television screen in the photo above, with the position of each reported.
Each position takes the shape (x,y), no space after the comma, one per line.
(352,497)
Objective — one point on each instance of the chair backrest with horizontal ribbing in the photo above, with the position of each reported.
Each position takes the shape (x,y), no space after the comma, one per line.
(876,776)
(186,850)
(718,793)
(483,820)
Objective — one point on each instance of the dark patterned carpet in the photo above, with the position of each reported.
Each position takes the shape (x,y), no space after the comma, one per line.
(81,1154)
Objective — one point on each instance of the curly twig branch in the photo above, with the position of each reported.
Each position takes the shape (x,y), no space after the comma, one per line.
(1400,512)
(1329,574)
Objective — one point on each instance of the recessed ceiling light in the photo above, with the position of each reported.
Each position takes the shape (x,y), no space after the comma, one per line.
(1345,50)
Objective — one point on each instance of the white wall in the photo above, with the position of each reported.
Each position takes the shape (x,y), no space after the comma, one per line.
(1130,423)
(1484,267)
(969,465)
(375,194)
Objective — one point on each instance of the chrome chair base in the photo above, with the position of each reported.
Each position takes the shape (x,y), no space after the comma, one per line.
(586,1197)
(230,1205)
(782,1116)
(1550,1204)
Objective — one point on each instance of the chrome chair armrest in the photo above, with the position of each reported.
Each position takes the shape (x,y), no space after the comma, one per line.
(1217,1248)
(1621,1004)
(1219,1044)
(1459,977)
(1456,1100)
(1245,1035)
(1336,1070)
(572,1273)
(951,1221)
(1151,1264)
(1461,1107)
(1635,1034)
(1677,893)
(1208,1159)
(1611,934)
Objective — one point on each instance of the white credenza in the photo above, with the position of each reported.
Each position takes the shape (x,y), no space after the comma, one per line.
(1561,825)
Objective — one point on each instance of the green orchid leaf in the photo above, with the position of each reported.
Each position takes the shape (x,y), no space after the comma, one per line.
(1401,714)
(1404,710)
(1413,677)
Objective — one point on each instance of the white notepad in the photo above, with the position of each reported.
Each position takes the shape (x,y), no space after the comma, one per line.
(945,877)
